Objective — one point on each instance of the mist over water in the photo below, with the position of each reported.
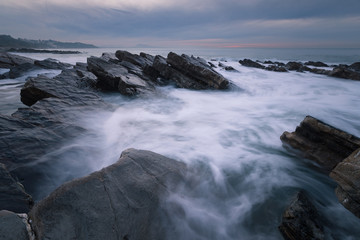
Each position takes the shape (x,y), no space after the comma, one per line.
(241,176)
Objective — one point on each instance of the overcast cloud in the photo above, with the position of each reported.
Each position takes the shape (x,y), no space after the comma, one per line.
(212,23)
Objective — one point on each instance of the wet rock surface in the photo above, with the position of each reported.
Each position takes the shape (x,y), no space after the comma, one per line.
(301,220)
(12,227)
(347,175)
(321,142)
(121,201)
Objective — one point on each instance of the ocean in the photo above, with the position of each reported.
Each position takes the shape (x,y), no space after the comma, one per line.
(232,137)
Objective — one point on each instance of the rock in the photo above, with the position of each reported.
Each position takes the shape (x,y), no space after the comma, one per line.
(31,50)
(110,57)
(227,68)
(294,66)
(151,58)
(198,70)
(341,72)
(133,58)
(116,77)
(51,63)
(346,174)
(12,227)
(212,65)
(320,71)
(316,64)
(12,194)
(168,74)
(276,68)
(301,220)
(321,142)
(250,63)
(21,69)
(8,60)
(355,66)
(121,201)
(269,62)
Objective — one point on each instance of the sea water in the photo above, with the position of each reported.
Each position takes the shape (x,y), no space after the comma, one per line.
(245,176)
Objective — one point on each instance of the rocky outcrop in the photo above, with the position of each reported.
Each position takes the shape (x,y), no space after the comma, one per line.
(227,68)
(197,70)
(341,72)
(276,68)
(121,201)
(346,174)
(51,63)
(12,194)
(8,60)
(321,142)
(316,64)
(355,66)
(301,220)
(12,227)
(250,63)
(294,66)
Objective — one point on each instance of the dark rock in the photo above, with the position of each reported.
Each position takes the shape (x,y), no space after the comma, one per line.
(319,71)
(212,65)
(116,77)
(31,50)
(227,68)
(169,74)
(50,63)
(301,220)
(133,58)
(268,62)
(280,64)
(250,63)
(12,227)
(321,142)
(21,69)
(355,66)
(12,194)
(276,68)
(293,66)
(147,56)
(346,73)
(316,64)
(121,201)
(198,70)
(110,57)
(8,60)
(346,174)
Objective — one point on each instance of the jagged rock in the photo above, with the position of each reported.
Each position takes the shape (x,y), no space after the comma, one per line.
(346,174)
(51,63)
(167,73)
(121,201)
(110,57)
(12,194)
(116,77)
(250,63)
(151,58)
(269,62)
(8,60)
(301,220)
(198,70)
(355,66)
(319,71)
(341,72)
(316,64)
(294,66)
(12,227)
(133,58)
(227,68)
(321,142)
(276,68)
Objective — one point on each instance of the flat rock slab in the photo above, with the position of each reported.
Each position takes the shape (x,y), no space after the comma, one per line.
(347,175)
(301,220)
(321,142)
(117,202)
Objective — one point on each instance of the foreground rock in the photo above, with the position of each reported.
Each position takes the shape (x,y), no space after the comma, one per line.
(12,227)
(346,174)
(12,194)
(301,220)
(250,63)
(8,60)
(321,142)
(121,201)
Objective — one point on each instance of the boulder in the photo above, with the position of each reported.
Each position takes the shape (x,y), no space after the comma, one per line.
(138,60)
(341,72)
(250,63)
(294,66)
(116,77)
(12,227)
(346,174)
(51,63)
(321,142)
(316,64)
(320,71)
(301,220)
(198,70)
(20,70)
(355,66)
(12,194)
(121,201)
(276,68)
(8,60)
(227,68)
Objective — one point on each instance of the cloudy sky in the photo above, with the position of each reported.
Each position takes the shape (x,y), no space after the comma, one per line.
(192,23)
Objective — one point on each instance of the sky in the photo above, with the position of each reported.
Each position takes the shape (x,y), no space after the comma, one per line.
(186,23)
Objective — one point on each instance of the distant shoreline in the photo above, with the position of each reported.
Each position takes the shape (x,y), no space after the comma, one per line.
(32,50)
